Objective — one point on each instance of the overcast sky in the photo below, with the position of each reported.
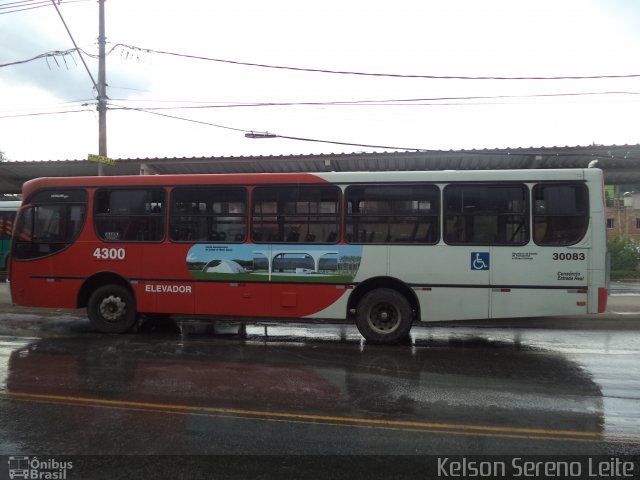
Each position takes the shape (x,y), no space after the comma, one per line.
(462,38)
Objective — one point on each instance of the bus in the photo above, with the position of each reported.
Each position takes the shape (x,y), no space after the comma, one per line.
(8,210)
(380,249)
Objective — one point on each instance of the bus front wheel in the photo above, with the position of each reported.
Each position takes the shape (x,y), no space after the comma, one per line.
(112,309)
(384,316)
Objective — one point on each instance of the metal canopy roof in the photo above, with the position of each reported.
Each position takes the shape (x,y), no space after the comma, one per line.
(621,163)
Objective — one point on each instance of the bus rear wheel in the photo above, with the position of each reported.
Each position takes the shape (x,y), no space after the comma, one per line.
(112,309)
(384,316)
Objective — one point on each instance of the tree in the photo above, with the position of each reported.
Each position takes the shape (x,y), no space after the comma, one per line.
(625,254)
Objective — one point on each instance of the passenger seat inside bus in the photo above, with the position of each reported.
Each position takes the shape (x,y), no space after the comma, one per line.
(293,236)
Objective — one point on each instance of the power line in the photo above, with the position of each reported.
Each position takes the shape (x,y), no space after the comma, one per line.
(375,103)
(6,3)
(38,114)
(51,106)
(370,74)
(75,45)
(23,3)
(62,53)
(258,134)
(21,6)
(241,130)
(7,10)
(144,110)
(366,103)
(270,135)
(52,53)
(372,103)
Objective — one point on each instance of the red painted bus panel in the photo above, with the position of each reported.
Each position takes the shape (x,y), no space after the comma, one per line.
(175,180)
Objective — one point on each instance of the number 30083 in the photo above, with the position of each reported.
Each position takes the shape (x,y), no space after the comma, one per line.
(569,256)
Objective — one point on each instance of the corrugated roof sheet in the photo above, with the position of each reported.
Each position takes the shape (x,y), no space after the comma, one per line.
(621,163)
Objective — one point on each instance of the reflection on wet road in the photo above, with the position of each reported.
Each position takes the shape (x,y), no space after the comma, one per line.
(318,389)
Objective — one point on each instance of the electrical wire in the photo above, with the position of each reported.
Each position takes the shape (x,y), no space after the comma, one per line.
(361,102)
(370,103)
(266,134)
(38,114)
(13,7)
(376,103)
(52,106)
(256,134)
(253,132)
(22,6)
(371,74)
(75,45)
(144,110)
(23,3)
(53,53)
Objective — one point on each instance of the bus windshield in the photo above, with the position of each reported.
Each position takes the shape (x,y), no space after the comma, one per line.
(45,228)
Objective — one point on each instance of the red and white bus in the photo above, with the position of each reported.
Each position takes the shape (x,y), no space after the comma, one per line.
(383,249)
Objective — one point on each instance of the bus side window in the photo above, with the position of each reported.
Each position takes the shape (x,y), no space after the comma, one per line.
(208,214)
(293,214)
(392,213)
(130,214)
(560,213)
(486,214)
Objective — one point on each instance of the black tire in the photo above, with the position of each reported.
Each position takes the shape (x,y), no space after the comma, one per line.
(384,316)
(112,309)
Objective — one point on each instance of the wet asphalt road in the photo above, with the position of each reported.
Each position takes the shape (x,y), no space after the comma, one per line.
(539,386)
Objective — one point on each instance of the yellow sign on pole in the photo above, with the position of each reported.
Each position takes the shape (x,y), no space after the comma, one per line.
(101,159)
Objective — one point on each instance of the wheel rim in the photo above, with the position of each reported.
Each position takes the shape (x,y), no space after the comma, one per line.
(384,318)
(112,309)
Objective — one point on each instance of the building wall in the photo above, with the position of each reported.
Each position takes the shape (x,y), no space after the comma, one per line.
(624,221)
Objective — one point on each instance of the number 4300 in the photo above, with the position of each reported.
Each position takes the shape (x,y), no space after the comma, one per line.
(109,253)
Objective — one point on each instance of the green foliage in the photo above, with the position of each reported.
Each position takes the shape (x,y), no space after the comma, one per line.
(625,275)
(610,194)
(625,254)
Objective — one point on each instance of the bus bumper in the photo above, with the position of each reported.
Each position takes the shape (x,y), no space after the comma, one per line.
(603,295)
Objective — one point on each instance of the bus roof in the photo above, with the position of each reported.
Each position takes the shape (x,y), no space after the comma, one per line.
(442,176)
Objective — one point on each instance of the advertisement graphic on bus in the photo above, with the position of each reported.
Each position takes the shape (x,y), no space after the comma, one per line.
(299,263)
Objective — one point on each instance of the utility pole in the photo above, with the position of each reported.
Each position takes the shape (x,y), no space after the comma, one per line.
(101,85)
(102,89)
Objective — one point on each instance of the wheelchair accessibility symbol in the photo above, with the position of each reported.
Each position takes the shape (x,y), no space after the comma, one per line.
(479,260)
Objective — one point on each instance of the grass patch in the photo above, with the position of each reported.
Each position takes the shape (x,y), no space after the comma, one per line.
(625,275)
